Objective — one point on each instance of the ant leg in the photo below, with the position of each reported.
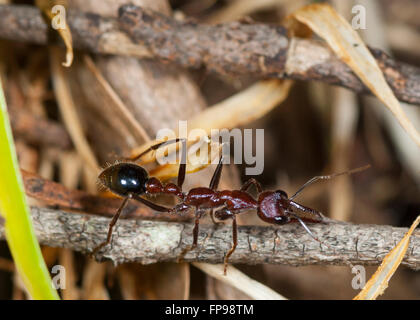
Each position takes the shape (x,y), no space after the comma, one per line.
(195,237)
(317,178)
(235,243)
(212,217)
(250,182)
(111,225)
(307,229)
(117,215)
(151,204)
(214,183)
(155,147)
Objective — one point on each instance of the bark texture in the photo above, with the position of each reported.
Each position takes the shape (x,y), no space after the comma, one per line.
(236,48)
(154,241)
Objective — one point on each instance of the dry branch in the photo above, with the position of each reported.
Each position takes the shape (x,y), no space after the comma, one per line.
(236,48)
(39,131)
(55,194)
(152,241)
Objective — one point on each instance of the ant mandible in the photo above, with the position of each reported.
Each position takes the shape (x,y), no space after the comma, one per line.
(130,181)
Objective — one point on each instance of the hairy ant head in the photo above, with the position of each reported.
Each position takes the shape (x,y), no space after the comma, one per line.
(124,179)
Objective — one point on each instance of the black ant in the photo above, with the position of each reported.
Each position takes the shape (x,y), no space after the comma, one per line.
(130,181)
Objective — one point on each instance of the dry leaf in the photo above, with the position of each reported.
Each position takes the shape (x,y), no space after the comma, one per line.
(93,286)
(379,281)
(168,171)
(238,110)
(69,113)
(240,281)
(116,104)
(346,43)
(243,107)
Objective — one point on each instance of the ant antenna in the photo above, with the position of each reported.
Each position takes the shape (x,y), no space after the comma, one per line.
(317,178)
(307,229)
(157,146)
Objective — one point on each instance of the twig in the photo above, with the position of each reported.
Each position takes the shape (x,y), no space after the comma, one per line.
(235,48)
(69,113)
(39,131)
(55,194)
(152,241)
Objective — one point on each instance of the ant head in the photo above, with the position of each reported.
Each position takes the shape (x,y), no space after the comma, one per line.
(124,178)
(272,207)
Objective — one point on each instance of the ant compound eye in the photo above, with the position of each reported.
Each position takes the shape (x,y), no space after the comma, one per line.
(125,178)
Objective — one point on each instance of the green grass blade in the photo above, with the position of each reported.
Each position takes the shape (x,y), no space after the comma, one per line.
(20,235)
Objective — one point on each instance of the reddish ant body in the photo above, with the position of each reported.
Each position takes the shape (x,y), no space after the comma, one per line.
(130,181)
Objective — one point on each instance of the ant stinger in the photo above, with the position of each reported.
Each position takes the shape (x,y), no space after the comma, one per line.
(130,181)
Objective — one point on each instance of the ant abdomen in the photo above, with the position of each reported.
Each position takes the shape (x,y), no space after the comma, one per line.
(124,179)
